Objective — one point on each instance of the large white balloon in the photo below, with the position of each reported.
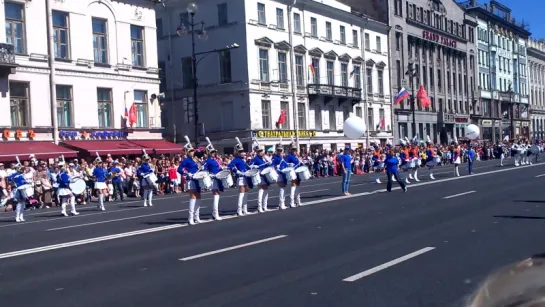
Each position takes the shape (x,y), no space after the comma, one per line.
(473,132)
(354,127)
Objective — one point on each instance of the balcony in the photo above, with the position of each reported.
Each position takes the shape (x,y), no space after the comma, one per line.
(330,92)
(7,58)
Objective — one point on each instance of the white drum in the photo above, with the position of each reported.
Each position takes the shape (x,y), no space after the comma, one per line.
(77,186)
(226,178)
(271,174)
(26,191)
(303,173)
(205,182)
(150,179)
(254,175)
(289,172)
(437,159)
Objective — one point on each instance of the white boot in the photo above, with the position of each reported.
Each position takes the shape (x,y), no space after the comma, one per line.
(260,201)
(73,205)
(191,212)
(298,196)
(292,196)
(146,192)
(411,174)
(150,197)
(377,180)
(281,196)
(416,175)
(431,175)
(19,212)
(63,210)
(265,200)
(407,180)
(215,208)
(239,204)
(197,217)
(393,178)
(457,172)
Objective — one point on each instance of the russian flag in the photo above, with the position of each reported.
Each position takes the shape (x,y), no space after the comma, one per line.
(403,93)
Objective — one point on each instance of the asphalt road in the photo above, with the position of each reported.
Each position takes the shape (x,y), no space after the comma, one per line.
(430,246)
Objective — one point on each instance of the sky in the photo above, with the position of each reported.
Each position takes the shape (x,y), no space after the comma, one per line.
(529,11)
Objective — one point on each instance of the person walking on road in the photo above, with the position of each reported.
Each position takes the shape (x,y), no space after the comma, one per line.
(346,164)
(391,164)
(470,159)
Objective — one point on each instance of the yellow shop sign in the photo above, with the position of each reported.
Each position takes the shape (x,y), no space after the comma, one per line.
(285,133)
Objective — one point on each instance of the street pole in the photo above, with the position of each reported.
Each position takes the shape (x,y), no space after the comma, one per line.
(194,63)
(52,84)
(413,107)
(293,81)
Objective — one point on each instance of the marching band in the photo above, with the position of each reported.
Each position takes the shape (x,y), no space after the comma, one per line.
(262,171)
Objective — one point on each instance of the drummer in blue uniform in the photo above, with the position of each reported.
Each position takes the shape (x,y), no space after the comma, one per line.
(100,174)
(392,171)
(212,167)
(292,161)
(279,163)
(263,188)
(21,194)
(148,186)
(189,168)
(239,167)
(64,191)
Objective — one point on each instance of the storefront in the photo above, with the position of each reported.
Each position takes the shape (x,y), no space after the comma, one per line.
(21,143)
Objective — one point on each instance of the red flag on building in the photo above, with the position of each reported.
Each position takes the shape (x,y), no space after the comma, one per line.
(132,115)
(281,119)
(422,97)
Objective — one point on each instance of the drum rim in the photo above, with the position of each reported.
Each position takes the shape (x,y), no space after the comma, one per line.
(252,172)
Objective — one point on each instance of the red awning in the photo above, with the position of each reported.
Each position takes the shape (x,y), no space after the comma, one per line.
(114,147)
(40,149)
(160,146)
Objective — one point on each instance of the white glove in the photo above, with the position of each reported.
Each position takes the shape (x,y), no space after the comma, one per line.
(240,173)
(254,167)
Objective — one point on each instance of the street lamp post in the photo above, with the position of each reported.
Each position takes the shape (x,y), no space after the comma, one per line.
(192,9)
(411,72)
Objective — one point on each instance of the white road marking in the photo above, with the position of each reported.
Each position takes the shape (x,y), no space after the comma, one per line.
(118,220)
(163,228)
(540,175)
(388,264)
(459,194)
(232,248)
(88,241)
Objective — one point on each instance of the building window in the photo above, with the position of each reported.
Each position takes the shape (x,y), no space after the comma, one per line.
(100,41)
(344,74)
(225,66)
(222,14)
(261,14)
(317,117)
(359,112)
(266,114)
(299,69)
(382,124)
(313,27)
(264,64)
(285,106)
(279,18)
(301,115)
(296,23)
(137,46)
(141,105)
(379,47)
(367,42)
(343,35)
(332,118)
(328,33)
(355,38)
(187,72)
(370,120)
(330,73)
(369,81)
(346,112)
(64,105)
(15,26)
(380,82)
(18,100)
(357,76)
(316,65)
(60,35)
(282,67)
(104,101)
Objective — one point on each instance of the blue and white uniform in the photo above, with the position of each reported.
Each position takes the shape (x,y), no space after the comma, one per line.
(64,192)
(189,168)
(261,164)
(263,192)
(22,193)
(279,163)
(239,167)
(100,175)
(145,171)
(295,193)
(212,167)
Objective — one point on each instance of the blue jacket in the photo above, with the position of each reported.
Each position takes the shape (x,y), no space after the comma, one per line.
(63,179)
(18,179)
(291,158)
(99,173)
(238,165)
(212,166)
(278,162)
(391,164)
(259,162)
(188,166)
